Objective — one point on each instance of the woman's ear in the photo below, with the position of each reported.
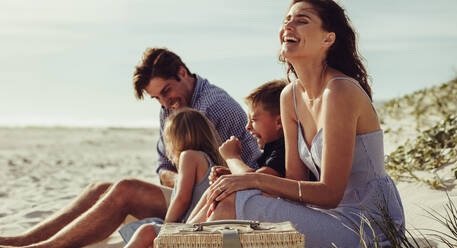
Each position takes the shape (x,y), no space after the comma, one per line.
(329,39)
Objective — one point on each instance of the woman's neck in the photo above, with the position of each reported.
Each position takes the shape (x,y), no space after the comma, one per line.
(312,77)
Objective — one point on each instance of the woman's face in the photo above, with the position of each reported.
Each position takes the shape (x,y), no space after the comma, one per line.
(301,34)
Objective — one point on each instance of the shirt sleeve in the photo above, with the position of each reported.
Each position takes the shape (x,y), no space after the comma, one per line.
(162,161)
(230,119)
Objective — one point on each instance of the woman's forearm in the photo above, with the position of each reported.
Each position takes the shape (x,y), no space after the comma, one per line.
(316,193)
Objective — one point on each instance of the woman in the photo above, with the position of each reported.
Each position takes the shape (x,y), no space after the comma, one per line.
(331,130)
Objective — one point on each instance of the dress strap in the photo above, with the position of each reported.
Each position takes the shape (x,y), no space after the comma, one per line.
(356,84)
(210,161)
(295,102)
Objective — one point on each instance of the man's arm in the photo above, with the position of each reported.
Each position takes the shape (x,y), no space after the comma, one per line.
(168,177)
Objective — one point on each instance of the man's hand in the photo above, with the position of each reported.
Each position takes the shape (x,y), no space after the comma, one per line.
(167,178)
(216,172)
(230,148)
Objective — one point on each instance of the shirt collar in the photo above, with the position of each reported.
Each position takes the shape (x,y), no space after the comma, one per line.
(199,83)
(274,144)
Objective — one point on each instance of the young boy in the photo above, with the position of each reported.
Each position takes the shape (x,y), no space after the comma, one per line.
(264,123)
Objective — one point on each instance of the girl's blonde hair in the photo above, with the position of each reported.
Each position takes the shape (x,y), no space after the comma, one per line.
(189,129)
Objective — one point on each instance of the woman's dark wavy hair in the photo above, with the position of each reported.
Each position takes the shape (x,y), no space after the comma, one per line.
(343,54)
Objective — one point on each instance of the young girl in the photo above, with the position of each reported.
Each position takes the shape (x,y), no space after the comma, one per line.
(192,145)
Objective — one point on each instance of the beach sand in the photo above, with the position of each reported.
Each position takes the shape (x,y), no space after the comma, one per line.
(43,169)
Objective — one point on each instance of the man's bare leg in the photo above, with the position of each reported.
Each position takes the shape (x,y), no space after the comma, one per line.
(60,219)
(131,196)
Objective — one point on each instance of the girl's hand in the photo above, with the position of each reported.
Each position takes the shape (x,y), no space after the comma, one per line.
(216,172)
(231,148)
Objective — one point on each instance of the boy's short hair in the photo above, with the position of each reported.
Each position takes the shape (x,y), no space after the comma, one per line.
(156,62)
(268,95)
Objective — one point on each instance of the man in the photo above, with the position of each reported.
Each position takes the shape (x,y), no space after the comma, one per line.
(163,76)
(102,207)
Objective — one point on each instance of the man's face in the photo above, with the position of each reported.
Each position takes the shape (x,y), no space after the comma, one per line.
(263,125)
(170,93)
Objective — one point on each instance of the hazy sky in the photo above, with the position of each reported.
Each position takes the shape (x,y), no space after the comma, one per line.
(71,62)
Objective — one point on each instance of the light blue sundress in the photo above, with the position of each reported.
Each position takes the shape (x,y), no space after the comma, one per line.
(368,187)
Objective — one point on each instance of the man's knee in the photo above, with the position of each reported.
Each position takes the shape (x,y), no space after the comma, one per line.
(125,187)
(98,188)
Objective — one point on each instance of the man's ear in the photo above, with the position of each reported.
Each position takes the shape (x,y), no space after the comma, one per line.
(329,39)
(182,72)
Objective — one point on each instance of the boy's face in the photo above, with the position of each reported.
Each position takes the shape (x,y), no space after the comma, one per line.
(263,125)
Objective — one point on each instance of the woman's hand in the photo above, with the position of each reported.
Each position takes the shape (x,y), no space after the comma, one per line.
(216,172)
(231,148)
(228,184)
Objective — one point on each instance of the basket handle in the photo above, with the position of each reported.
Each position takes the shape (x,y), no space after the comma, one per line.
(255,225)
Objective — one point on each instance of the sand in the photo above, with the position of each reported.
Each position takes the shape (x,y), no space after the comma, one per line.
(43,169)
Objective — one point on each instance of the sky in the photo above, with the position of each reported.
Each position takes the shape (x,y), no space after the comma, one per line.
(70,63)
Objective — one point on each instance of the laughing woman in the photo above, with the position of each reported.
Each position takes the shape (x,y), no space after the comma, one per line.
(331,130)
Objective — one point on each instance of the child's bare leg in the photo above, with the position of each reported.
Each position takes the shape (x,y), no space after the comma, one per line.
(199,212)
(198,215)
(225,209)
(143,237)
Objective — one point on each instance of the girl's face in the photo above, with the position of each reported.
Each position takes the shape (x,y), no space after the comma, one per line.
(301,34)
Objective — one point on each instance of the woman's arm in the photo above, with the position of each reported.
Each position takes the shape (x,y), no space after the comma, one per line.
(340,113)
(295,169)
(189,162)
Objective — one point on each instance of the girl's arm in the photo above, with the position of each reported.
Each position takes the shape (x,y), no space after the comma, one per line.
(189,162)
(340,113)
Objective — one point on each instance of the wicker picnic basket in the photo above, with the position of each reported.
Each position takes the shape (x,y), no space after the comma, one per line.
(229,234)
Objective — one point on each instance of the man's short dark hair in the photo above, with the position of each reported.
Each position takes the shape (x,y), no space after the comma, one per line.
(268,95)
(156,62)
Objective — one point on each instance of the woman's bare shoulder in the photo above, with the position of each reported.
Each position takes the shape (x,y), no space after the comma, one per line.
(287,92)
(343,91)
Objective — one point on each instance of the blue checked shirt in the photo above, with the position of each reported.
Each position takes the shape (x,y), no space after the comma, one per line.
(226,115)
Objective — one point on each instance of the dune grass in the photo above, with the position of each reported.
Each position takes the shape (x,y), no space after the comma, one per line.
(435,123)
(399,237)
(432,149)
